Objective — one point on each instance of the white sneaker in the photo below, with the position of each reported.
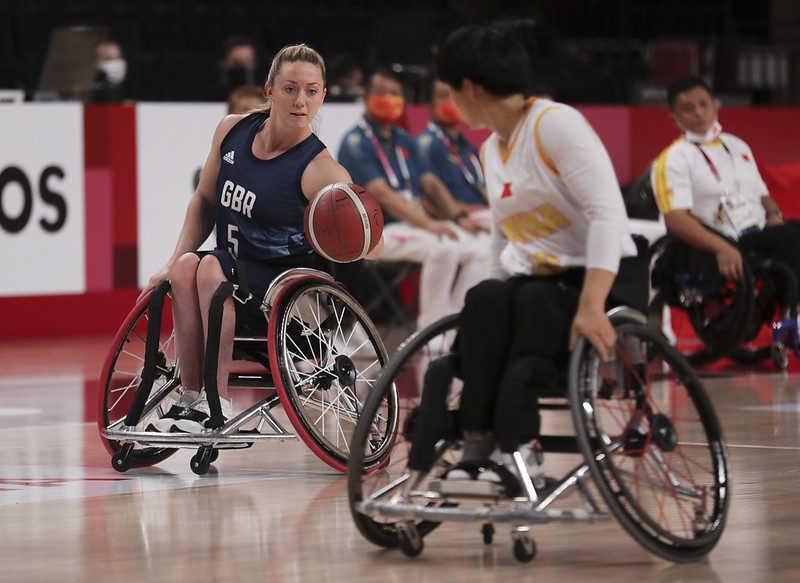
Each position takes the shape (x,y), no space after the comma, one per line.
(532,454)
(458,474)
(164,424)
(195,417)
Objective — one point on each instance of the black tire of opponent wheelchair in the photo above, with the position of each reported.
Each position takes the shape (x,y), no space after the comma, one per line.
(654,445)
(401,377)
(325,360)
(122,374)
(722,325)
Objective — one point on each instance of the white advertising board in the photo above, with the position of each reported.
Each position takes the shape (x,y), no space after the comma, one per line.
(42,226)
(172,143)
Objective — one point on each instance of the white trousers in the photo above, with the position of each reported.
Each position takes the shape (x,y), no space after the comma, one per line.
(448,268)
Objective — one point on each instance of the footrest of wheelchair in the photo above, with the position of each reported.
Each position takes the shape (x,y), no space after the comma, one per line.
(503,513)
(468,488)
(481,488)
(235,439)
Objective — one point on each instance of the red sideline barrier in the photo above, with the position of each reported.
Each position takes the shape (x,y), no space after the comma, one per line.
(67,315)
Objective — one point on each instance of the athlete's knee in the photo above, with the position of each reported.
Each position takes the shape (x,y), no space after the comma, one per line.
(184,272)
(487,291)
(209,276)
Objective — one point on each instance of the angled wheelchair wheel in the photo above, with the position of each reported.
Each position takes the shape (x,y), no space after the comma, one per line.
(694,349)
(382,415)
(122,374)
(653,443)
(713,316)
(325,355)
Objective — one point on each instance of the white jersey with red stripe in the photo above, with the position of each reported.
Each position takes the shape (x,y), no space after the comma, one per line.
(554,195)
(694,177)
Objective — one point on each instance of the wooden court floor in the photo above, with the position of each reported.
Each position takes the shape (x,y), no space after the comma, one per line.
(275,513)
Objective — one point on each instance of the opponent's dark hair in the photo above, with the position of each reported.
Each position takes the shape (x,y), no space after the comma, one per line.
(488,57)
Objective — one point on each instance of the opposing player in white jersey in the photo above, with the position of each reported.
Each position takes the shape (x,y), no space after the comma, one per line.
(559,229)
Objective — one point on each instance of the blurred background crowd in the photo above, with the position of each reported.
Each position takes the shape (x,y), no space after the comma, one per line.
(588,51)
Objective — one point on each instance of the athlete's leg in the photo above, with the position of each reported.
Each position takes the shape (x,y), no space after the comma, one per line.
(209,277)
(484,335)
(188,322)
(542,310)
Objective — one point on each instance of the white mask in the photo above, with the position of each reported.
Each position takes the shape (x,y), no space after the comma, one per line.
(709,136)
(115,70)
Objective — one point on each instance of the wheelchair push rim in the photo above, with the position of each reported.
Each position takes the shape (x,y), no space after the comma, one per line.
(326,359)
(653,443)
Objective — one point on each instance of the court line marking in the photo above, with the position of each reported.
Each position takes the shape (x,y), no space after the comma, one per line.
(747,446)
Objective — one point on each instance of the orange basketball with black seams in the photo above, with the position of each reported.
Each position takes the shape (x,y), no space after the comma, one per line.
(343,222)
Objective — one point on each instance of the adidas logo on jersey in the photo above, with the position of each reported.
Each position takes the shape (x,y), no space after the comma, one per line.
(228,157)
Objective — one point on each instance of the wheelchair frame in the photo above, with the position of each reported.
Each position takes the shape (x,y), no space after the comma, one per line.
(323,351)
(652,449)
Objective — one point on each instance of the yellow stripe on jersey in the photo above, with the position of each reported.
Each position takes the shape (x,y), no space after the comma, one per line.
(663,192)
(506,154)
(539,148)
(528,226)
(546,264)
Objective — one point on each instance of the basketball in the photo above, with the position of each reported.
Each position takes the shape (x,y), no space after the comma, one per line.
(343,222)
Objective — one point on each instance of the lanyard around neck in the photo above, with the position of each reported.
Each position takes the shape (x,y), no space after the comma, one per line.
(711,164)
(477,180)
(387,167)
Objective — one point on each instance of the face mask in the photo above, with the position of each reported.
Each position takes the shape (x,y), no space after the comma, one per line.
(238,76)
(709,136)
(385,108)
(115,70)
(447,114)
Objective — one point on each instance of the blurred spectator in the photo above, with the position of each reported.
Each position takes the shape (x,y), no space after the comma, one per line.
(112,71)
(346,80)
(446,152)
(237,66)
(246,98)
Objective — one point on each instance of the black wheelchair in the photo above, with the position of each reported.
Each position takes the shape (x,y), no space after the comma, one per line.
(650,449)
(713,318)
(309,346)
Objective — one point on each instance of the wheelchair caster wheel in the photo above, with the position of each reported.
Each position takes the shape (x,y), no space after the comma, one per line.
(410,541)
(487,530)
(779,356)
(201,461)
(524,548)
(121,461)
(214,455)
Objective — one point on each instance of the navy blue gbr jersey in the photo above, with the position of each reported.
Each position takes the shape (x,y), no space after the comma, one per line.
(260,203)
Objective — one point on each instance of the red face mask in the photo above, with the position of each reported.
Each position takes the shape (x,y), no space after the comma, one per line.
(385,108)
(447,114)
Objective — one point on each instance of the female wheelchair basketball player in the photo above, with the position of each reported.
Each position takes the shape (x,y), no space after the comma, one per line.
(559,230)
(262,170)
(468,439)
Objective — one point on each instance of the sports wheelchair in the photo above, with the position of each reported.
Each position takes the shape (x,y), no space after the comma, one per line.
(648,442)
(712,318)
(309,347)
